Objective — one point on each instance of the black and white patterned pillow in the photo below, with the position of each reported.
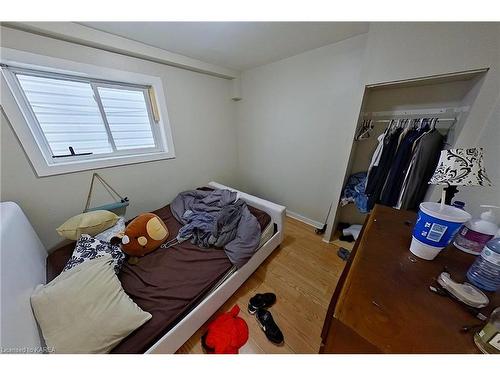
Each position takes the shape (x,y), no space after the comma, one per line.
(88,248)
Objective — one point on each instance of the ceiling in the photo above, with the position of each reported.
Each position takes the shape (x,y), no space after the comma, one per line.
(235,45)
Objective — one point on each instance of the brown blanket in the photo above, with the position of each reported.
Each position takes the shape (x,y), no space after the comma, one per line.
(167,283)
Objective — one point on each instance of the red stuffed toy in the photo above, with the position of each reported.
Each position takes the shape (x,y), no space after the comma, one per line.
(226,333)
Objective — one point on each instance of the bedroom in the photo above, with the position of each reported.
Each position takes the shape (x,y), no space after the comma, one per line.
(282,113)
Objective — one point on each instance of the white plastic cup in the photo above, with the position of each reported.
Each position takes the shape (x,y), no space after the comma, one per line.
(424,251)
(435,228)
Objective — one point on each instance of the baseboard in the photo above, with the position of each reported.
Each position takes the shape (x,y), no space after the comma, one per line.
(306,220)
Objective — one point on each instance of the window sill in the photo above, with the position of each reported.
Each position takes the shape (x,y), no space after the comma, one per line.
(84,165)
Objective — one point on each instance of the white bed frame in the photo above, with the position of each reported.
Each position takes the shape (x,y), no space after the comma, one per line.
(23,262)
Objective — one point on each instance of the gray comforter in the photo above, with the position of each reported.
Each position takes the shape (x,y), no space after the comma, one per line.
(217,218)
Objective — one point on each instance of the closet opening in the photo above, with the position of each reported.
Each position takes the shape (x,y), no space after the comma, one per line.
(413,120)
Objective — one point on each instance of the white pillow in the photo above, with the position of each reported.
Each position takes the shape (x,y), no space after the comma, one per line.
(85,310)
(109,233)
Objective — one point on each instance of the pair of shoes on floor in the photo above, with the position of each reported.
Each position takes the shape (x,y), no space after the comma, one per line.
(257,306)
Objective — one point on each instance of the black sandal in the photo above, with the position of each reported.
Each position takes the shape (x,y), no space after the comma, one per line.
(261,301)
(270,328)
(343,253)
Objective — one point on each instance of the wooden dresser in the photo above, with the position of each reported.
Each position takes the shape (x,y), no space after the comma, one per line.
(382,303)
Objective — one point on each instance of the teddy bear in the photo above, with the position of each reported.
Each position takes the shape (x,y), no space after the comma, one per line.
(143,235)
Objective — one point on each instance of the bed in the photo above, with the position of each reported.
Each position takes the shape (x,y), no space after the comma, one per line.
(170,328)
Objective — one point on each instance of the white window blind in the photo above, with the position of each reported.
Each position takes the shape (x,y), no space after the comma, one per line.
(68,115)
(84,118)
(127,117)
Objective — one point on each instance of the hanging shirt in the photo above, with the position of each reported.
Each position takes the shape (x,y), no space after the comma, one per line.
(423,165)
(376,155)
(408,170)
(390,193)
(379,173)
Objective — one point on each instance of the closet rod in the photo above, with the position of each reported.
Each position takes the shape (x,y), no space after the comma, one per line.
(440,119)
(420,113)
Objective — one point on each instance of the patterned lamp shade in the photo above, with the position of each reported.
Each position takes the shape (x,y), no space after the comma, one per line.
(461,166)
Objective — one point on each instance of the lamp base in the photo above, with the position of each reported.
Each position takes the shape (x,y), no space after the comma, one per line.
(450,194)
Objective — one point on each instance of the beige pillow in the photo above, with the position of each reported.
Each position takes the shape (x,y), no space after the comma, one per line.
(92,223)
(85,310)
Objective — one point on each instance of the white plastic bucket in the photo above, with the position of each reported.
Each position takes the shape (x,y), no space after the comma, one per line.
(435,228)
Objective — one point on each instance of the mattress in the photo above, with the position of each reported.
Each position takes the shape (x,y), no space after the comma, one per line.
(168,283)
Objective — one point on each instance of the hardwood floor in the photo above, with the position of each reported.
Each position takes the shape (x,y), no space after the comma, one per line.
(302,273)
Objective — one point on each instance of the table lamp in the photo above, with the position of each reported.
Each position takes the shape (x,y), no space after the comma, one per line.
(459,167)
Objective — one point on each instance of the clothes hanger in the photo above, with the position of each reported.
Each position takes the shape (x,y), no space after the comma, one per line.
(422,124)
(359,131)
(388,129)
(399,124)
(433,124)
(364,131)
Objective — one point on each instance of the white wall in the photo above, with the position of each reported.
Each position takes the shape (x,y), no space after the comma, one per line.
(405,50)
(489,138)
(202,117)
(296,123)
(399,51)
(297,116)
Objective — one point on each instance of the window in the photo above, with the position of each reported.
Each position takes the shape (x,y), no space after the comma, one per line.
(82,123)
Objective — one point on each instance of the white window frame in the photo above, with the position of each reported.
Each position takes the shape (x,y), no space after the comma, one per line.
(24,122)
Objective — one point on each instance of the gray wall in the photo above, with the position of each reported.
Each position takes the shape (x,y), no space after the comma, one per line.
(202,117)
(297,117)
(405,50)
(399,51)
(489,138)
(296,123)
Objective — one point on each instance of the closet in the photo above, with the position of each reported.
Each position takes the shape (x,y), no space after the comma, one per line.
(443,101)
